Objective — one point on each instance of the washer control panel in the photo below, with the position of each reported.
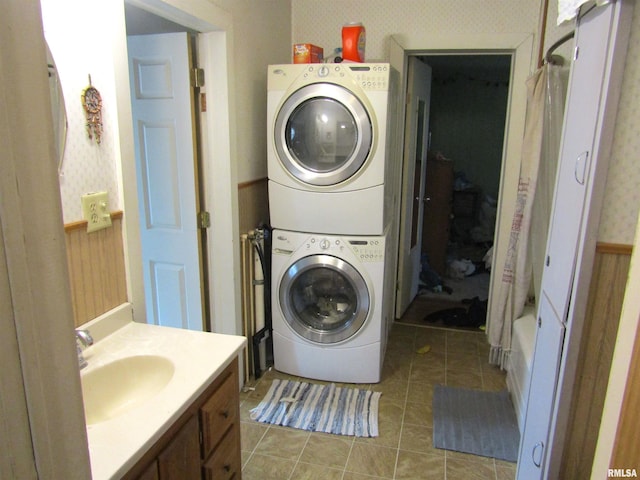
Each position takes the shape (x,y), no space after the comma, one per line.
(367,249)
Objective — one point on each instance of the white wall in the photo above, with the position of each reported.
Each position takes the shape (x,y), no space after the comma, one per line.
(261,36)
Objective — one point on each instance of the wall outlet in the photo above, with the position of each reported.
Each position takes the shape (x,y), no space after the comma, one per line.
(95,209)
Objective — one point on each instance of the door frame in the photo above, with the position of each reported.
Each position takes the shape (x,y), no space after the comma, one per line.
(520,47)
(219,173)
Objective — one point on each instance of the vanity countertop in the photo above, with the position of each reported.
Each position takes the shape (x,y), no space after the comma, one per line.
(115,445)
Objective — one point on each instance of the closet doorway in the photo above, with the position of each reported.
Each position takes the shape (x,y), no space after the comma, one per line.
(468,115)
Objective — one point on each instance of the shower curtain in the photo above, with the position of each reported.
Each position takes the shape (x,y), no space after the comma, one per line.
(530,224)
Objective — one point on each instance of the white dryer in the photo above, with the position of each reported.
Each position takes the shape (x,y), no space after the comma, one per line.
(329,315)
(328,147)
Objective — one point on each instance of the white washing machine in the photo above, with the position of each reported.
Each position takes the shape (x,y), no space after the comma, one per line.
(328,147)
(330,318)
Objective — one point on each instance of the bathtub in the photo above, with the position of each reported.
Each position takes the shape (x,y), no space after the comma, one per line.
(519,362)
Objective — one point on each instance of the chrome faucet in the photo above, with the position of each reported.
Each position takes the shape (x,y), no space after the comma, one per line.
(83,340)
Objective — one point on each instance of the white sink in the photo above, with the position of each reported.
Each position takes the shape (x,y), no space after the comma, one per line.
(113,389)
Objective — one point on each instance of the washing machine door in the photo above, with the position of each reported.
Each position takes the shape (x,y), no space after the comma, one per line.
(324,299)
(323,134)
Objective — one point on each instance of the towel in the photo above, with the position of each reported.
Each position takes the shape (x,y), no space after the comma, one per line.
(568,9)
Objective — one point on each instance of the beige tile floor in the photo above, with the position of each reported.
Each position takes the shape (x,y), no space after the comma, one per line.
(404,448)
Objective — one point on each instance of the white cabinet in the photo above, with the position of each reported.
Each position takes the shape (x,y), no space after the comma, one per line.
(601,39)
(546,362)
(579,136)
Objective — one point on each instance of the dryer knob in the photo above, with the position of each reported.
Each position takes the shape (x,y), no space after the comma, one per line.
(324,244)
(323,71)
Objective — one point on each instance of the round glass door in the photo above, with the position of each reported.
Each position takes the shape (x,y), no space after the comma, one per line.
(323,134)
(324,299)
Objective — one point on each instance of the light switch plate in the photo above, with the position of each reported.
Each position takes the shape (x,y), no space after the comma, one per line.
(95,208)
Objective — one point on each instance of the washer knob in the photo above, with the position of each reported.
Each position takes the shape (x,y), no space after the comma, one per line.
(325,244)
(323,71)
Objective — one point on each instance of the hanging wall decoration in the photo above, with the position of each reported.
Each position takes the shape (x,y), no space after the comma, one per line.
(92,103)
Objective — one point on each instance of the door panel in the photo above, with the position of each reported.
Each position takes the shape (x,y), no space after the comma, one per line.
(413,183)
(576,151)
(163,117)
(542,392)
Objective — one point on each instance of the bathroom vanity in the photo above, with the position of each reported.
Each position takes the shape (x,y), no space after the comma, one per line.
(204,442)
(161,403)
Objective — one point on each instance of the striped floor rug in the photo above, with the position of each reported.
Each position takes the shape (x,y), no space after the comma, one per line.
(320,408)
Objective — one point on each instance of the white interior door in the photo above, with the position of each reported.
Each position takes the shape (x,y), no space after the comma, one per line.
(413,182)
(163,119)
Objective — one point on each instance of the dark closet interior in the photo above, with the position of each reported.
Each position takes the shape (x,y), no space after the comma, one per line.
(469,99)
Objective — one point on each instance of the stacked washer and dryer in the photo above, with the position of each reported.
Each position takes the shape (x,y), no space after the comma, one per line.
(332,202)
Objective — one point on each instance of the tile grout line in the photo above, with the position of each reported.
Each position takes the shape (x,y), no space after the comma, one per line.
(406,399)
(253,451)
(295,465)
(344,469)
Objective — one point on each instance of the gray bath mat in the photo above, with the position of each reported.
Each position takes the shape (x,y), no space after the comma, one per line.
(477,422)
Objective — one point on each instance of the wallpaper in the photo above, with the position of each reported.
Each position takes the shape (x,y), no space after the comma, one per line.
(87,167)
(321,22)
(622,196)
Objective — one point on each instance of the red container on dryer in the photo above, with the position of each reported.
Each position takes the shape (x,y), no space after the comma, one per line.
(353,42)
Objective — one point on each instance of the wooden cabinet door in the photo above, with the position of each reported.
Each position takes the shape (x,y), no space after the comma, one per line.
(180,460)
(151,473)
(225,462)
(219,413)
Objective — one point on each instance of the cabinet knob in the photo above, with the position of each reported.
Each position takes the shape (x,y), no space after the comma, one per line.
(227,468)
(537,459)
(225,413)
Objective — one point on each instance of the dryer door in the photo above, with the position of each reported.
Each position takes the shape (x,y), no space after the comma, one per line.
(323,134)
(324,299)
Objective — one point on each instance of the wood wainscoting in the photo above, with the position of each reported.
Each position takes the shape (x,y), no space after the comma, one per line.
(606,295)
(627,443)
(96,268)
(253,204)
